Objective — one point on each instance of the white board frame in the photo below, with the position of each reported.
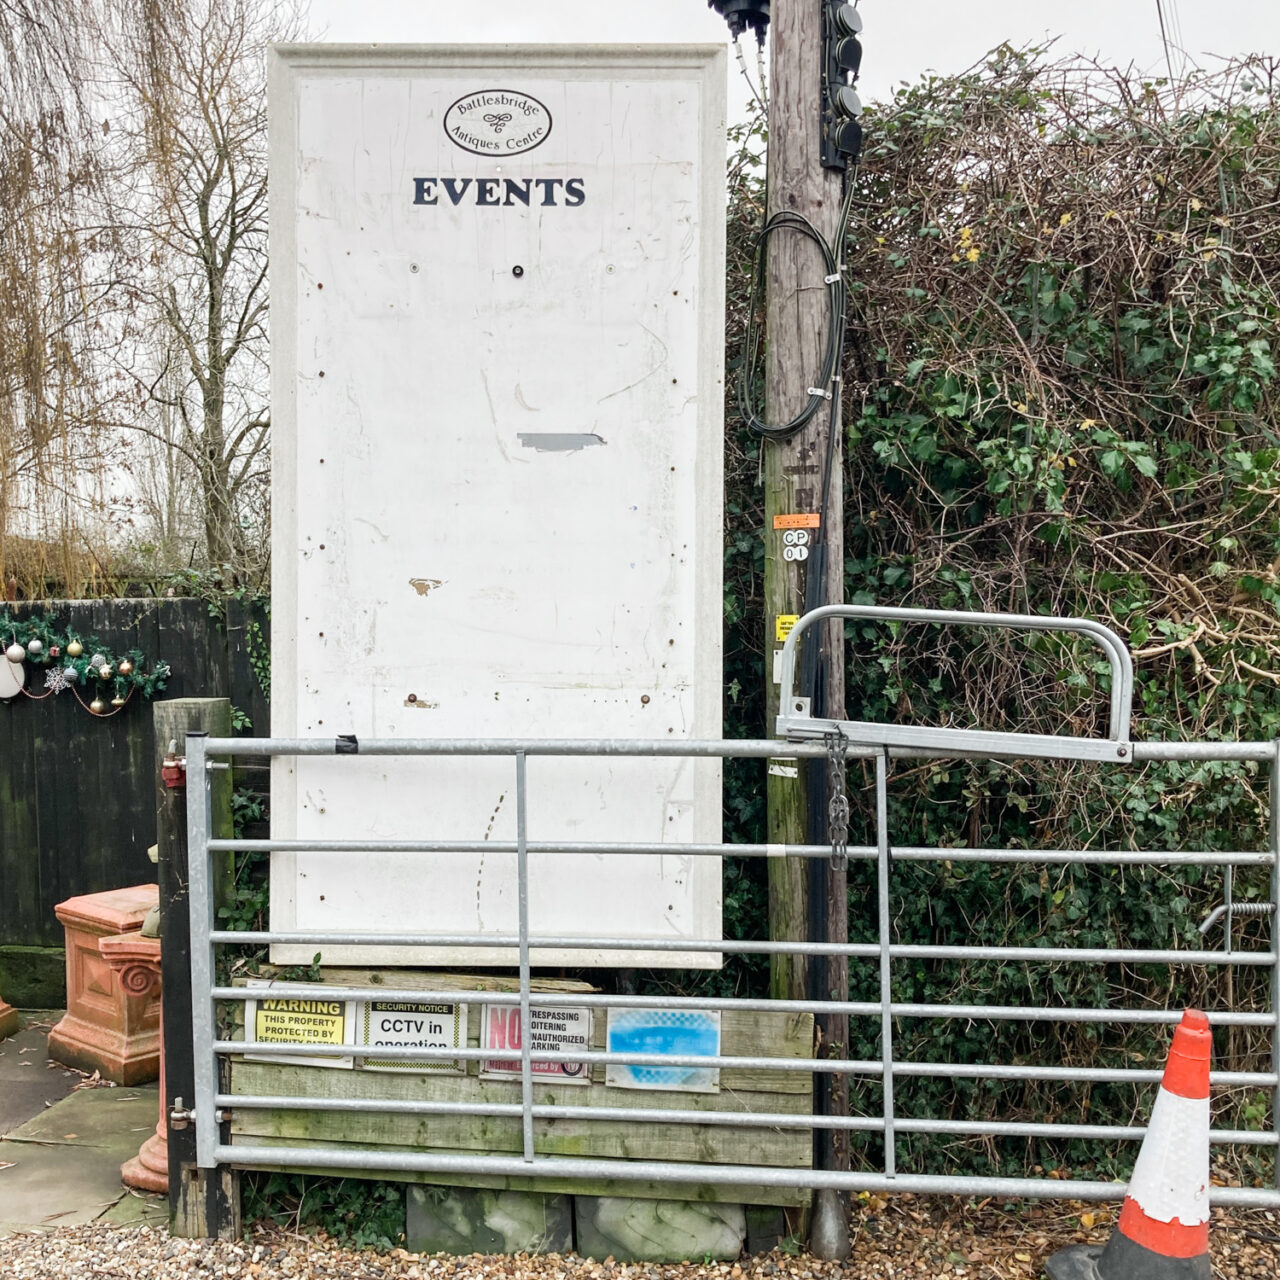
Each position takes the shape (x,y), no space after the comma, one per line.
(471,64)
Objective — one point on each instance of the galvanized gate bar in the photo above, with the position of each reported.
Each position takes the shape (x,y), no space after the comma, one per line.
(579,1168)
(898,950)
(213,1105)
(737,748)
(1275,945)
(828,1066)
(886,958)
(724,1119)
(862,1008)
(200,899)
(865,853)
(522,873)
(794,720)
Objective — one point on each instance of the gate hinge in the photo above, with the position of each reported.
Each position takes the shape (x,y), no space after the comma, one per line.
(180,1116)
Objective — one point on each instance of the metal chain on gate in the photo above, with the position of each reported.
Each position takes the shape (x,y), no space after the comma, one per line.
(837,800)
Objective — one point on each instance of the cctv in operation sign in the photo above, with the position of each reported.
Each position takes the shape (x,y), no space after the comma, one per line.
(497,402)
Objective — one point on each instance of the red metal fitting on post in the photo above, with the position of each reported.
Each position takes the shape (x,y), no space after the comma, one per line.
(173,770)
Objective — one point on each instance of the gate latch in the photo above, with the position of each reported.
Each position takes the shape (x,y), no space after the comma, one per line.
(1234,910)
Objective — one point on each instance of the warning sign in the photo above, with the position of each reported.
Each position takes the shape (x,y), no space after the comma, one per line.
(271,1020)
(416,1024)
(783,623)
(299,1021)
(550,1031)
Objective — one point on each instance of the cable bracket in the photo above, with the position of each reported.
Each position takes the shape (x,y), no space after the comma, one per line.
(818,391)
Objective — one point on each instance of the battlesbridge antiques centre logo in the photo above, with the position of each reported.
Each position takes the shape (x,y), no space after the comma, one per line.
(498,122)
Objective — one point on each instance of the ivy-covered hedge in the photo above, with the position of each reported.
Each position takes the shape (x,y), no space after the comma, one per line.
(1060,398)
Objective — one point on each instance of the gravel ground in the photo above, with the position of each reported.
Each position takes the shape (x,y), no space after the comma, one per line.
(899,1237)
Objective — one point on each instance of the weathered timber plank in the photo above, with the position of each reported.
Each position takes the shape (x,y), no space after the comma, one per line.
(696,1144)
(434,980)
(708,1144)
(709,1193)
(275,1080)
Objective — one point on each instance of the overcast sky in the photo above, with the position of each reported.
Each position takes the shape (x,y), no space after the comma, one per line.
(903,38)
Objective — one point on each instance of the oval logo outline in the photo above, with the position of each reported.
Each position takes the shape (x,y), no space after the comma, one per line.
(490,120)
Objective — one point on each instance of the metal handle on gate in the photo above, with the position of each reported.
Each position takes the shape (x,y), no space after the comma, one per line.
(795,720)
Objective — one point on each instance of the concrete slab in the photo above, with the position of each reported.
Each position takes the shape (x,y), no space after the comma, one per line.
(64,1164)
(29,1082)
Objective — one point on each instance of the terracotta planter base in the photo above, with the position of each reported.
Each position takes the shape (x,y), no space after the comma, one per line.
(8,1019)
(106,1028)
(149,1169)
(136,962)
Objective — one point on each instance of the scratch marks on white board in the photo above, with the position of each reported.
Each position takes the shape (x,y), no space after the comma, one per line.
(660,356)
(360,520)
(488,831)
(424,586)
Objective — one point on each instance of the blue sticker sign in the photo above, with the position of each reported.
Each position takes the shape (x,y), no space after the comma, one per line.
(684,1034)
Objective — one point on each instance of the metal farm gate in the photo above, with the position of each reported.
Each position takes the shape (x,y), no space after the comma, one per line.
(808,738)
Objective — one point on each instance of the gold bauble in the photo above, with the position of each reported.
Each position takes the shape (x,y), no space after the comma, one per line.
(117,701)
(125,666)
(74,649)
(105,671)
(97,706)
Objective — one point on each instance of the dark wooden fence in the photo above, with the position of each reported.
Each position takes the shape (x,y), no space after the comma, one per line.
(77,795)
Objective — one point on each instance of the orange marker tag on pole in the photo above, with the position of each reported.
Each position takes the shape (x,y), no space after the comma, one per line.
(798,520)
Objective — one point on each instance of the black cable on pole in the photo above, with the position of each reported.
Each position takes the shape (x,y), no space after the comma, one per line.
(749,370)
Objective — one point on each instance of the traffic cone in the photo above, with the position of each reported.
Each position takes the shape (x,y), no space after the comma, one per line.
(1163,1232)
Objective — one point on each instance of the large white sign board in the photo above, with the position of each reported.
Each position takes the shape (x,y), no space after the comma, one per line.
(497,385)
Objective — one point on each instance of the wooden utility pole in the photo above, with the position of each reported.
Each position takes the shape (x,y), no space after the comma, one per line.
(797,320)
(797,325)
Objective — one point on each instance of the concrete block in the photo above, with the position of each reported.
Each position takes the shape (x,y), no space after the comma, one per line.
(766,1227)
(459,1220)
(658,1230)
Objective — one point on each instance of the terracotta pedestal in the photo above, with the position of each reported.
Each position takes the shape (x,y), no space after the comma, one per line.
(8,1019)
(106,1029)
(136,962)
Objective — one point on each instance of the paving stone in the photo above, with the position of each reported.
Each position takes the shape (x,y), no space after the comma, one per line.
(64,1164)
(29,1082)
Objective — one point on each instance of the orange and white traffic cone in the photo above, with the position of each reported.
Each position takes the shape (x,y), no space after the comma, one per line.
(1163,1232)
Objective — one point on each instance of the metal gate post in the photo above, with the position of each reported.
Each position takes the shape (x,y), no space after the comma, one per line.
(199,821)
(1275,950)
(522,873)
(886,962)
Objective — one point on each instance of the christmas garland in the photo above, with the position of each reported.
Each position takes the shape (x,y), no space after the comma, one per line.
(101,681)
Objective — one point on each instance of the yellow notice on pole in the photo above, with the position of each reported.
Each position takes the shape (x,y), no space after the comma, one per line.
(783,623)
